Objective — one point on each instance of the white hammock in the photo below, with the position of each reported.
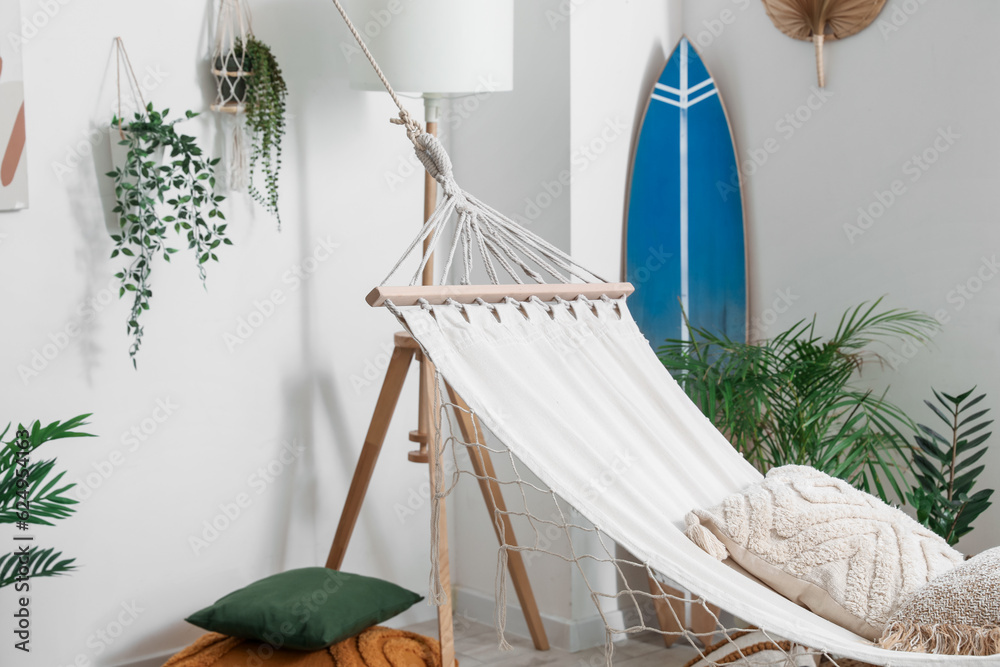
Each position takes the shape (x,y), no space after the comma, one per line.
(568,386)
(569,389)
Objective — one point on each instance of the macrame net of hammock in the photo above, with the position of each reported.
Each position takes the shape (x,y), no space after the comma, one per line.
(546,526)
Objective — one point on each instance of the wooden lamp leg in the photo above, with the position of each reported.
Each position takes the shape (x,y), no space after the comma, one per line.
(388,397)
(446,630)
(429,424)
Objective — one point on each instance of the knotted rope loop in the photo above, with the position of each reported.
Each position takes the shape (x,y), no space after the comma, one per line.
(436,161)
(405,119)
(479,301)
(541,304)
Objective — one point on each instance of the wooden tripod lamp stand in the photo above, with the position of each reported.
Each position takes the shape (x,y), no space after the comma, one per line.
(452,47)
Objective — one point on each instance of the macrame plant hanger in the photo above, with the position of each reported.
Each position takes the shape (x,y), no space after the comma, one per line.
(121,58)
(233,27)
(121,139)
(504,247)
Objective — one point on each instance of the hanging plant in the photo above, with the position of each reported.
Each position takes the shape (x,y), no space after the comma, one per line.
(250,87)
(265,120)
(152,198)
(231,70)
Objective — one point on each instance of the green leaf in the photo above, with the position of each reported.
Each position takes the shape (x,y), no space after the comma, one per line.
(966,445)
(974,429)
(970,460)
(40,562)
(945,418)
(930,448)
(971,417)
(928,469)
(934,434)
(971,403)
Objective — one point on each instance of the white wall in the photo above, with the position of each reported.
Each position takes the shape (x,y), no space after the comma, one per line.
(310,373)
(890,95)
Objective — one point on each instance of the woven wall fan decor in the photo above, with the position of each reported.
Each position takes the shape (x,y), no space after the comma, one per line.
(820,21)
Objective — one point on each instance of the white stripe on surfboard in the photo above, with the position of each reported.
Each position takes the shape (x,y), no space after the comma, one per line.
(684,187)
(700,86)
(702,97)
(670,89)
(667,100)
(683,103)
(664,87)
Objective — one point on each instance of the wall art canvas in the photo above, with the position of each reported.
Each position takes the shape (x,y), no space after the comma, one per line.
(13,162)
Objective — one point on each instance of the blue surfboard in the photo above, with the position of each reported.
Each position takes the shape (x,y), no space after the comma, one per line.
(684,230)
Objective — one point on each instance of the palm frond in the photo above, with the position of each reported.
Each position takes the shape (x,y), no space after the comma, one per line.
(796,398)
(39,563)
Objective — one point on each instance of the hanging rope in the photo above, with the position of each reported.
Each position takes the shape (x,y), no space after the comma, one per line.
(405,119)
(501,241)
(121,55)
(234,27)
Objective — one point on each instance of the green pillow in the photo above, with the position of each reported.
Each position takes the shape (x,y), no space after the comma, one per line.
(307,609)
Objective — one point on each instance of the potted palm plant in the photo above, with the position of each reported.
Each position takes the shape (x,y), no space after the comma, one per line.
(797,398)
(32,483)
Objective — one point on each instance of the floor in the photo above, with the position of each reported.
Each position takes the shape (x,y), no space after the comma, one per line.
(476,646)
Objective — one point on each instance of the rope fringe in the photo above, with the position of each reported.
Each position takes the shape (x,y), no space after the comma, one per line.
(704,538)
(943,639)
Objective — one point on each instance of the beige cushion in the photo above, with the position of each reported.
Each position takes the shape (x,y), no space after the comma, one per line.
(957,613)
(820,542)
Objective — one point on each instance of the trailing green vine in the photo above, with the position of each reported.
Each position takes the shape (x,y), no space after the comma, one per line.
(265,118)
(184,183)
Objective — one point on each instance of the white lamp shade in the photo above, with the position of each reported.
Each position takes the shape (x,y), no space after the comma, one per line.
(435,46)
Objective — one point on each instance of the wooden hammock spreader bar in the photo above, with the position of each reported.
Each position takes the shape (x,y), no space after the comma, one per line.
(438,294)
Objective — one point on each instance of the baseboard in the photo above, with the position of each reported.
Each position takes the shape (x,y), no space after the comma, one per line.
(563,633)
